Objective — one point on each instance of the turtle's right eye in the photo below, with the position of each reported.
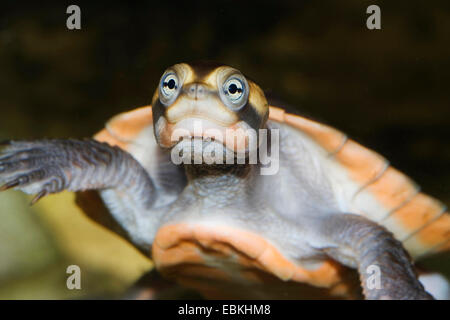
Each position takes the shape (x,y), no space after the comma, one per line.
(169,85)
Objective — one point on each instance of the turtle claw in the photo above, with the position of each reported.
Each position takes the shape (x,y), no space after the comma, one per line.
(38,197)
(31,167)
(9,185)
(44,167)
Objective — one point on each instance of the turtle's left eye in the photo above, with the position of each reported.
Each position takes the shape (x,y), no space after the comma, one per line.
(169,85)
(234,90)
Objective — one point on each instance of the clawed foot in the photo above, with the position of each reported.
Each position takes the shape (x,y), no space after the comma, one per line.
(43,167)
(33,167)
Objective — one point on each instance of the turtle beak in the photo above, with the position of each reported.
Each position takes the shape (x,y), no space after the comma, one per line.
(199,114)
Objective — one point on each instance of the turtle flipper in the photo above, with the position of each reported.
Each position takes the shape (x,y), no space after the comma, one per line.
(50,166)
(384,266)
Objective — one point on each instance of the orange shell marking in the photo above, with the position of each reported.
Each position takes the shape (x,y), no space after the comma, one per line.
(393,188)
(205,245)
(125,127)
(329,138)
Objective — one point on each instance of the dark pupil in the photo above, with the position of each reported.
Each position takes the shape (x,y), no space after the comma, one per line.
(233,89)
(170,84)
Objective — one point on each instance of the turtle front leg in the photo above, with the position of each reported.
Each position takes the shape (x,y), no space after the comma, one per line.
(43,167)
(362,244)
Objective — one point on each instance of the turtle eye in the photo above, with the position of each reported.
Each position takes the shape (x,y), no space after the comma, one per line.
(169,85)
(234,90)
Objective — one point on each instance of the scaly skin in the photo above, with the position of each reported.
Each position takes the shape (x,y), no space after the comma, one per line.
(363,243)
(51,166)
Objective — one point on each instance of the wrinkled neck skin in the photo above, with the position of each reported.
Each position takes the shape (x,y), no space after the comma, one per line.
(225,183)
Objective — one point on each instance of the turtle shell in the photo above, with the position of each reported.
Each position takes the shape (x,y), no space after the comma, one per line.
(367,185)
(378,191)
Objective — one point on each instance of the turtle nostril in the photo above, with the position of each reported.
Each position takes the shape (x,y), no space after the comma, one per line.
(196,91)
(200,90)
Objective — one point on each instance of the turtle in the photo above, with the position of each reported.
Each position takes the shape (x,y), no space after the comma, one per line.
(235,198)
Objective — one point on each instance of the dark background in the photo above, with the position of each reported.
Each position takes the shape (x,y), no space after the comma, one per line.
(388,88)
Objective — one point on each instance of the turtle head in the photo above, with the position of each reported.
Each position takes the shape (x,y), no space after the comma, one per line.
(208,103)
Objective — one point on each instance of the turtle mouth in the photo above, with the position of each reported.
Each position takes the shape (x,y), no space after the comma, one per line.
(236,137)
(195,140)
(202,150)
(205,141)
